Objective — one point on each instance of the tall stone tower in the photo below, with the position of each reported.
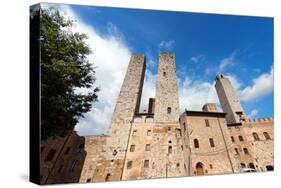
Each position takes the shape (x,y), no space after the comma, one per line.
(229,101)
(127,105)
(167,98)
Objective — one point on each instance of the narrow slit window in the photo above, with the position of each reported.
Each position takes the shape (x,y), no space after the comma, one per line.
(212,144)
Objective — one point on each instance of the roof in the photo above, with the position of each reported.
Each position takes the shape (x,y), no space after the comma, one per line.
(201,113)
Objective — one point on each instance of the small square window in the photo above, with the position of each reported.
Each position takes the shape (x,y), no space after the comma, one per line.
(207,123)
(146,164)
(129,164)
(51,155)
(148,132)
(132,148)
(147,147)
(134,132)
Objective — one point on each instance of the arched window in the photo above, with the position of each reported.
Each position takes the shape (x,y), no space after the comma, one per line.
(246,151)
(241,139)
(199,169)
(196,143)
(266,135)
(242,165)
(169,149)
(256,136)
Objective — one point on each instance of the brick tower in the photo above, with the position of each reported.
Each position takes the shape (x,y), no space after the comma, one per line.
(127,105)
(229,101)
(167,99)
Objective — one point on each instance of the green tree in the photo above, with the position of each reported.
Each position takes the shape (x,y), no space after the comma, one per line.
(65,69)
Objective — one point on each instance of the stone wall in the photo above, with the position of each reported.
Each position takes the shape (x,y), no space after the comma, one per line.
(198,128)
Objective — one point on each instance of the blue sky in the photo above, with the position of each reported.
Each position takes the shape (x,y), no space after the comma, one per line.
(240,47)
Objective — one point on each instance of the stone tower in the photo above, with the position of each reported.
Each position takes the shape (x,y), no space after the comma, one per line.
(229,101)
(167,99)
(127,105)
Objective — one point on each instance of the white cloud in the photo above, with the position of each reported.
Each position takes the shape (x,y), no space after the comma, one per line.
(227,62)
(194,94)
(253,114)
(110,55)
(196,59)
(167,45)
(262,85)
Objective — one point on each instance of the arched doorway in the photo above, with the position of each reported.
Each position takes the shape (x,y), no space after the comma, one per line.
(199,169)
(107,177)
(269,168)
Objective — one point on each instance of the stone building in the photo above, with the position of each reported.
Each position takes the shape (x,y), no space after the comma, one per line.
(162,142)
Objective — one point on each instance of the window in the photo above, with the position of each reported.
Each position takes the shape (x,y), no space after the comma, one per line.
(146,164)
(178,133)
(67,150)
(211,166)
(196,143)
(207,123)
(148,132)
(169,128)
(107,177)
(164,73)
(129,164)
(60,168)
(266,135)
(212,144)
(246,151)
(169,149)
(132,148)
(242,165)
(269,168)
(170,141)
(178,165)
(114,152)
(252,166)
(147,147)
(169,110)
(73,165)
(232,139)
(256,136)
(51,155)
(236,151)
(134,132)
(184,127)
(241,139)
(88,180)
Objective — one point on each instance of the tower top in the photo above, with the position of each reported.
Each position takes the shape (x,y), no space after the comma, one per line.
(219,76)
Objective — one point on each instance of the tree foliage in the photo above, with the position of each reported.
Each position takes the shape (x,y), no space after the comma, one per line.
(65,70)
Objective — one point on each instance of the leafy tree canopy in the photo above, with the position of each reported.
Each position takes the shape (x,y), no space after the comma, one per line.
(65,70)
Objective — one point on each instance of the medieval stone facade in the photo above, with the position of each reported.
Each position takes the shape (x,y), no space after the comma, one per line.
(162,142)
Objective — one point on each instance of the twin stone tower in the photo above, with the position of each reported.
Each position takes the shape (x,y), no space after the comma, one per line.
(129,129)
(163,142)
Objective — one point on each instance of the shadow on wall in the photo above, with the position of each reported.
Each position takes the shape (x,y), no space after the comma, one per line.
(62,159)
